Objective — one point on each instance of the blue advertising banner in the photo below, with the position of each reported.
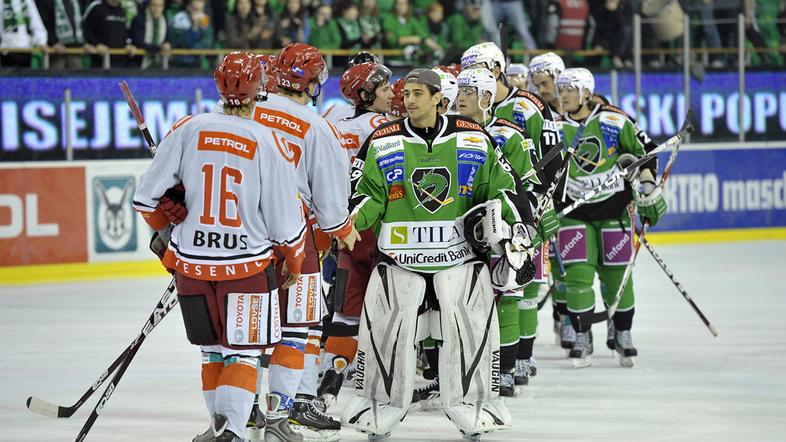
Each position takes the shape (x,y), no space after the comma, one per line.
(726,188)
(33,113)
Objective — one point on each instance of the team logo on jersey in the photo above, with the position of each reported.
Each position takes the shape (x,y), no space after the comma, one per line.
(589,155)
(431,186)
(113,218)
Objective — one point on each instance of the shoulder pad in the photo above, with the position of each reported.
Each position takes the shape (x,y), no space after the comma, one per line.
(612,108)
(387,129)
(533,98)
(463,123)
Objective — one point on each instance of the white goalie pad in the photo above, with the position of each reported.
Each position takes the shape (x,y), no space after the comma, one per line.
(469,357)
(386,357)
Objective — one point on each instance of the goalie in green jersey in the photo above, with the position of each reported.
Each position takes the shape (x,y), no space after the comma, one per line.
(598,236)
(439,194)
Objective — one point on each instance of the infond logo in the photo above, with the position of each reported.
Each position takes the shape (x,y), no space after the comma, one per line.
(113,218)
(399,235)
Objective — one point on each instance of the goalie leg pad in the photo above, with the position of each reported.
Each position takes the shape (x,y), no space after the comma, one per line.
(386,357)
(469,357)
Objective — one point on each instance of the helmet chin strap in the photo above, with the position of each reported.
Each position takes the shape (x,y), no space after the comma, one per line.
(316,95)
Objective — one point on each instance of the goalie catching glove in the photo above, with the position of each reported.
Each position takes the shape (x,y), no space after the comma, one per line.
(485,230)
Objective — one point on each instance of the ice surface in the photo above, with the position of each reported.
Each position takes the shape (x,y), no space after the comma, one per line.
(686,385)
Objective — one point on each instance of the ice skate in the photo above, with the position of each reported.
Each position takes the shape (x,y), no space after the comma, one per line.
(471,436)
(567,333)
(207,436)
(557,329)
(428,396)
(581,354)
(331,383)
(255,427)
(506,384)
(610,335)
(623,344)
(277,427)
(313,424)
(525,368)
(228,436)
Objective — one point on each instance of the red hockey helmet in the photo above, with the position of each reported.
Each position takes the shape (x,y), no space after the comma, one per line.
(362,57)
(297,65)
(267,61)
(397,105)
(238,78)
(366,77)
(453,68)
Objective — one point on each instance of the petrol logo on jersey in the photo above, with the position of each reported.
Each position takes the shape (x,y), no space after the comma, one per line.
(113,216)
(431,186)
(588,156)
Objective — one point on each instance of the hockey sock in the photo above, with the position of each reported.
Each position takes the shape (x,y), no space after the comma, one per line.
(508,312)
(432,356)
(623,320)
(308,383)
(235,391)
(525,348)
(346,346)
(528,312)
(286,365)
(212,364)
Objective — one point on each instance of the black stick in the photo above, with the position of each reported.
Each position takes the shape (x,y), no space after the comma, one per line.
(679,287)
(165,305)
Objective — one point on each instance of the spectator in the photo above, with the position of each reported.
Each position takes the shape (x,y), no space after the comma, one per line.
(348,25)
(727,12)
(614,30)
(710,36)
(263,9)
(149,32)
(191,29)
(104,28)
(403,31)
(371,35)
(324,30)
(512,12)
(291,26)
(465,30)
(437,40)
(573,24)
(244,29)
(544,16)
(172,8)
(22,28)
(63,22)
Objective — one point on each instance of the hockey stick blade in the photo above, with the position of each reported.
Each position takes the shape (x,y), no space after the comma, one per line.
(45,408)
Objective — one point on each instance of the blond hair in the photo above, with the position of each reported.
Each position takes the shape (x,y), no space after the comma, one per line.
(243,111)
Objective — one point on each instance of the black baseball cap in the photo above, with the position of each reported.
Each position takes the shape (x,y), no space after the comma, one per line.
(425,77)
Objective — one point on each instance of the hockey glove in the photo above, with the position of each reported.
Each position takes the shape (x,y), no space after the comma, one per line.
(484,226)
(650,203)
(159,242)
(625,160)
(549,223)
(171,204)
(515,269)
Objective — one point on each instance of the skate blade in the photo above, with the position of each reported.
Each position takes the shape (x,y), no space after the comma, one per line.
(582,362)
(518,390)
(311,435)
(255,434)
(626,361)
(374,436)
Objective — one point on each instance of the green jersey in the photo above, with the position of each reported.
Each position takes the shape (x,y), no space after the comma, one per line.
(413,189)
(609,133)
(517,147)
(530,112)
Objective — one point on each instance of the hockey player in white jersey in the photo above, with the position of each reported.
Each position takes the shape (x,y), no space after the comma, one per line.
(367,87)
(449,92)
(244,204)
(312,145)
(337,112)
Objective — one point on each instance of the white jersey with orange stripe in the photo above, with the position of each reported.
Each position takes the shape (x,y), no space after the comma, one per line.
(242,194)
(312,144)
(355,128)
(338,112)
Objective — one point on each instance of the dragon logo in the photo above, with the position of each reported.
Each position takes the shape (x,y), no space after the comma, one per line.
(431,187)
(588,156)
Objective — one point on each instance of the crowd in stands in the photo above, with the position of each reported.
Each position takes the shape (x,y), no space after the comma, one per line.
(427,32)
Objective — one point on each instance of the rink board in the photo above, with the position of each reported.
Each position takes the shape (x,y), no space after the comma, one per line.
(80,212)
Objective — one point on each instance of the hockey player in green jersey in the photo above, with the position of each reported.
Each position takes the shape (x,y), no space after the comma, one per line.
(598,236)
(529,111)
(439,194)
(477,87)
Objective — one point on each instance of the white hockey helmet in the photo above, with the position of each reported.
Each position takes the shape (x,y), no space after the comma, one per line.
(486,53)
(449,86)
(579,78)
(482,80)
(518,69)
(548,63)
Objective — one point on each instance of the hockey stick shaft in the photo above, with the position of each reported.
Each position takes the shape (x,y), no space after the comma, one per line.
(679,286)
(165,305)
(137,113)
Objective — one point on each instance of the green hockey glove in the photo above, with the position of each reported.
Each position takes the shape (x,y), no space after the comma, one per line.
(650,203)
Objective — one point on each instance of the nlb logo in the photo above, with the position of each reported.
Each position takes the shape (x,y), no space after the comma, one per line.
(227,142)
